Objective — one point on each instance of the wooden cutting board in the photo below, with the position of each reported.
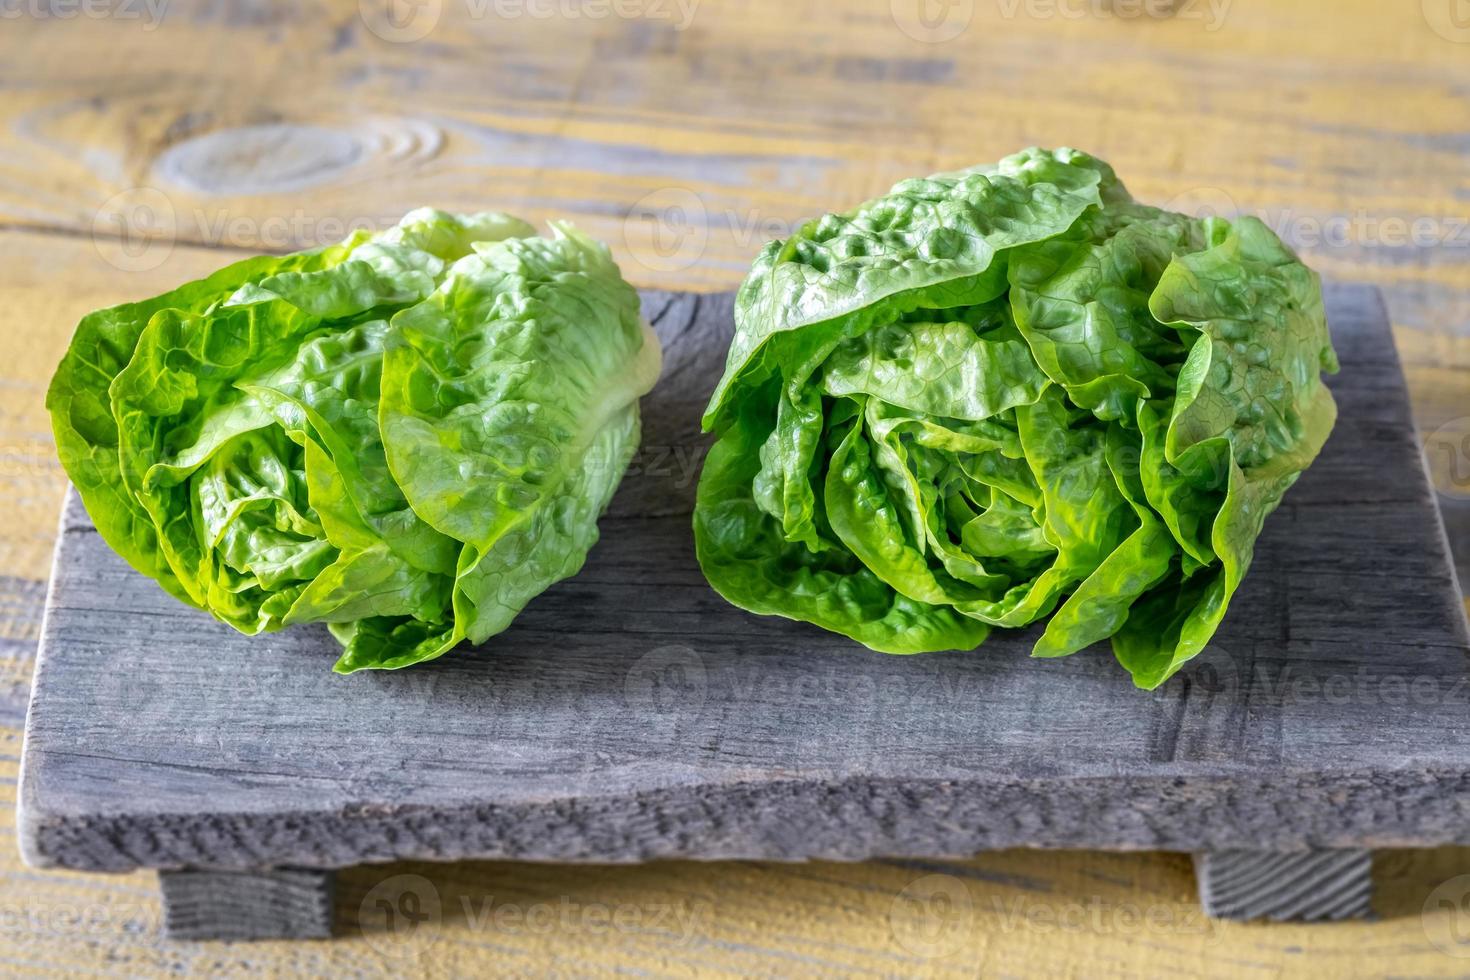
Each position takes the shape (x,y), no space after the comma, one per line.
(632,714)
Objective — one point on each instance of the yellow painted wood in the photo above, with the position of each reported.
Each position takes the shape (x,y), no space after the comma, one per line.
(271,125)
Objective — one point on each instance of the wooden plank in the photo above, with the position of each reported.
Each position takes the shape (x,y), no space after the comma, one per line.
(280,903)
(632,714)
(1301,886)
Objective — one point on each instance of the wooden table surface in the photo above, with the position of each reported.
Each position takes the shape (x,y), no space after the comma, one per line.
(135,154)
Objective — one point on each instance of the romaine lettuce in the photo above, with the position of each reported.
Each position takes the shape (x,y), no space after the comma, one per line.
(1009,393)
(406,436)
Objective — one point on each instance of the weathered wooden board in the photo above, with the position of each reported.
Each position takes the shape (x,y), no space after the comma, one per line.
(631,713)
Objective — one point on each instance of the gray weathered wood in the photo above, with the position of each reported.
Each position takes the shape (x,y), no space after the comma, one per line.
(241,905)
(1305,886)
(631,713)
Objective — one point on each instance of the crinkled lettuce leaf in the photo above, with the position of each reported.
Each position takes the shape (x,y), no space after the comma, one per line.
(1006,395)
(407,436)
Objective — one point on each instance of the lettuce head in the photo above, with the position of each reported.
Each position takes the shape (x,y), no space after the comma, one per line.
(407,436)
(1008,395)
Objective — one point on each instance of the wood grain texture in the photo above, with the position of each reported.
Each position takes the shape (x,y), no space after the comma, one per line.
(1299,886)
(771,111)
(288,903)
(631,714)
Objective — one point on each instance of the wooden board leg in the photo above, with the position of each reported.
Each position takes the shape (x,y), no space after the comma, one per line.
(1302,886)
(277,903)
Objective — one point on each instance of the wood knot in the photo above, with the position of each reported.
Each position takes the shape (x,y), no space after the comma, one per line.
(287,157)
